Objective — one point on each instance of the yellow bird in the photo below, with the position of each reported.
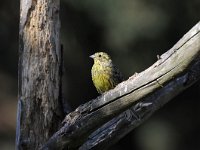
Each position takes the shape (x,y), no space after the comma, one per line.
(105,75)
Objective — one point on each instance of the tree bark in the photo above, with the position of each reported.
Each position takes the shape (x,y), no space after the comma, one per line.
(121,125)
(145,92)
(39,97)
(118,127)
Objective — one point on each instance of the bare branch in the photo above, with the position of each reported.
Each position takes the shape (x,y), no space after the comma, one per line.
(176,70)
(118,127)
(121,125)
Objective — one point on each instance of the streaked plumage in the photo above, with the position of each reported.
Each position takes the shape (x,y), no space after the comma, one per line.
(105,75)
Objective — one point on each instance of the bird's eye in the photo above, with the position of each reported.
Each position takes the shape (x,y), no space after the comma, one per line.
(99,55)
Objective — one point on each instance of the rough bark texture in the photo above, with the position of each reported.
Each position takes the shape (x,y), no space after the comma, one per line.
(39,104)
(175,71)
(117,128)
(121,125)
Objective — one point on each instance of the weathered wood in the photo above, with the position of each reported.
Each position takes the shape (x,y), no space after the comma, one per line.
(39,104)
(118,127)
(121,125)
(173,66)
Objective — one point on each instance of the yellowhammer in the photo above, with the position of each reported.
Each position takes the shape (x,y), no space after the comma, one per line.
(105,75)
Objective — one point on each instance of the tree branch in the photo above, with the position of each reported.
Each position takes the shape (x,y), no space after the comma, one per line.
(121,125)
(145,92)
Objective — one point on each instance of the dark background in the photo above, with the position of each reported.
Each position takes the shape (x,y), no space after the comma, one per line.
(133,32)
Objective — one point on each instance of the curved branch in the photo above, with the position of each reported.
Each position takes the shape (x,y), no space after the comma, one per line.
(121,125)
(145,92)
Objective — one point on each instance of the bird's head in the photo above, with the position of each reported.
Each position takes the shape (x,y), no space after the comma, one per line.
(101,57)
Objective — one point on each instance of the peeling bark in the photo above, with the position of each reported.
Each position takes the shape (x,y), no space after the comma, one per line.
(39,105)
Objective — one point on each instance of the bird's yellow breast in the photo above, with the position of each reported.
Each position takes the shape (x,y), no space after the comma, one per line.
(102,82)
(102,78)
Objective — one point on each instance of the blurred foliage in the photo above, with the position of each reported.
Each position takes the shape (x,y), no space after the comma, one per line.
(133,32)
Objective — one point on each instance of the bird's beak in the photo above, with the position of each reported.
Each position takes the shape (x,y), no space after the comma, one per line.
(92,56)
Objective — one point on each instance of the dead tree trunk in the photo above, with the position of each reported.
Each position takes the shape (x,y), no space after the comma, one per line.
(39,105)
